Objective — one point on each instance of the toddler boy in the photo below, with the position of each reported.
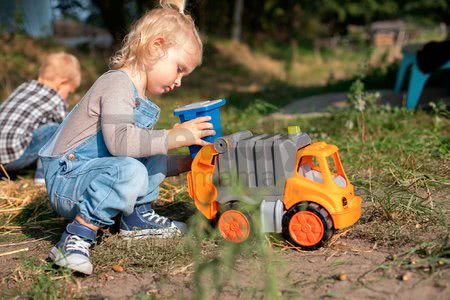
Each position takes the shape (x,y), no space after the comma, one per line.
(33,112)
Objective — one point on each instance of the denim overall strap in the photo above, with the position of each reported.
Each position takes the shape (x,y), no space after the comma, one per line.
(135,91)
(146,113)
(49,161)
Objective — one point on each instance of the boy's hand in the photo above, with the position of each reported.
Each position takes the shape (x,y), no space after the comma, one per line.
(190,133)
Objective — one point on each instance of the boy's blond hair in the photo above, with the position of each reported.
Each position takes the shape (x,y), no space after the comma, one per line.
(169,22)
(61,65)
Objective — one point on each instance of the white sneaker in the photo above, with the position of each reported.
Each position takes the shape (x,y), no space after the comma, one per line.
(39,181)
(39,178)
(72,251)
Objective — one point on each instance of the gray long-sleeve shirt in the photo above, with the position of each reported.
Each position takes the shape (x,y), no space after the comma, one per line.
(108,105)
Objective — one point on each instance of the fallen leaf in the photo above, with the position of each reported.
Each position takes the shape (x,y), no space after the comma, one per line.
(342,276)
(406,276)
(117,268)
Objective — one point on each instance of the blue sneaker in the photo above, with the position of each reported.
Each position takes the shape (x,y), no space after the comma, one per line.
(144,222)
(72,251)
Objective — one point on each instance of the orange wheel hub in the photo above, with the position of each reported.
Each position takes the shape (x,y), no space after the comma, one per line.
(306,228)
(234,226)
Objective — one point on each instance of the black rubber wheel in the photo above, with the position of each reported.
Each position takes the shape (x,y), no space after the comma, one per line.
(308,225)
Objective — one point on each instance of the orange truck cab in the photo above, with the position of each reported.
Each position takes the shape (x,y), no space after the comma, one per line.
(300,187)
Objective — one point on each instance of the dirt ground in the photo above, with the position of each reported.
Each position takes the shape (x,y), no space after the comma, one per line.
(351,268)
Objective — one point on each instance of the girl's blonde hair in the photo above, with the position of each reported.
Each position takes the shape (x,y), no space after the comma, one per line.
(169,22)
(61,65)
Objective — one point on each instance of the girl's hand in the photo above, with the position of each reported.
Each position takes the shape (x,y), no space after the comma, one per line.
(190,133)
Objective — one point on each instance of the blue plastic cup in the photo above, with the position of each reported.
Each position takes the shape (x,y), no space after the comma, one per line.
(199,109)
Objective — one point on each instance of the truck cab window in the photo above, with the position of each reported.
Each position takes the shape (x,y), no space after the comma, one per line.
(336,170)
(309,168)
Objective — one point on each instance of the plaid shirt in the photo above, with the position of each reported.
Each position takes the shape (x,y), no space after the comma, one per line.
(30,106)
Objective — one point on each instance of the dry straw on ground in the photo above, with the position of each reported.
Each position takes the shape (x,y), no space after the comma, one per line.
(24,206)
(22,194)
(17,196)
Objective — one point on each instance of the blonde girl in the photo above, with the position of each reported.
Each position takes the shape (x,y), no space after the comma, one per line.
(106,159)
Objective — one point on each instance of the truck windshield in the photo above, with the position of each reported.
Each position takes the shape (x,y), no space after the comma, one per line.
(336,170)
(310,169)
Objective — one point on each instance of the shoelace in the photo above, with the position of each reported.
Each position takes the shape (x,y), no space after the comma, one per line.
(152,216)
(76,243)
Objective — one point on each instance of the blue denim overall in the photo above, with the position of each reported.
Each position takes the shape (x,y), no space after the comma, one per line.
(88,181)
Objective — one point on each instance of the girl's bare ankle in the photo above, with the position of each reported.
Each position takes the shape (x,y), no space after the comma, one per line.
(84,223)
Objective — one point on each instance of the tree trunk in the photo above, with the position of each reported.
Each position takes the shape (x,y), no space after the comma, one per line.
(113,13)
(237,20)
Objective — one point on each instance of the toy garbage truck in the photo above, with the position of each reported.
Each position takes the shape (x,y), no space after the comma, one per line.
(300,187)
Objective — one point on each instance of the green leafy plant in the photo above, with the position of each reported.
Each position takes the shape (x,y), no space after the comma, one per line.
(362,103)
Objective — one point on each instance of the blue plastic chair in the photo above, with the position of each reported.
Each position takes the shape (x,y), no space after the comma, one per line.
(417,78)
(408,60)
(416,84)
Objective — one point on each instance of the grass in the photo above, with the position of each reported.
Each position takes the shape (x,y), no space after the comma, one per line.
(398,161)
(40,280)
